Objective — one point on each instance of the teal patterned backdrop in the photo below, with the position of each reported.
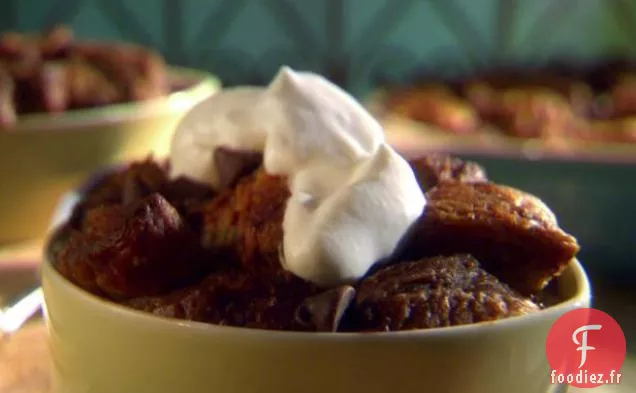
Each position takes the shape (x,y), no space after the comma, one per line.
(355,42)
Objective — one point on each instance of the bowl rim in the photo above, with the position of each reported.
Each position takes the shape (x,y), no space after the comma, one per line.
(202,85)
(580,299)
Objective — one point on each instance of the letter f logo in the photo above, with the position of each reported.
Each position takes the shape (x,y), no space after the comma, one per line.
(583,344)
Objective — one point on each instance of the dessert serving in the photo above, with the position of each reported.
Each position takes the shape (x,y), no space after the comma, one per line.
(284,246)
(284,208)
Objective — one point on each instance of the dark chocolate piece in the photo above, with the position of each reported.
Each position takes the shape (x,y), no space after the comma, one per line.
(232,164)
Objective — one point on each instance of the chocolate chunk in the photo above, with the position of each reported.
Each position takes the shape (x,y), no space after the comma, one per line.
(232,164)
(434,292)
(514,235)
(432,169)
(323,312)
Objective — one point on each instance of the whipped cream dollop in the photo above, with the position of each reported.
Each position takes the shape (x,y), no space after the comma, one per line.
(226,120)
(353,197)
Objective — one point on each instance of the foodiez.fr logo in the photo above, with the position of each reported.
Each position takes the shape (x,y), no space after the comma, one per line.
(586,348)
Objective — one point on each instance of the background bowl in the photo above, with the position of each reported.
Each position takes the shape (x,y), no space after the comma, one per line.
(44,156)
(102,347)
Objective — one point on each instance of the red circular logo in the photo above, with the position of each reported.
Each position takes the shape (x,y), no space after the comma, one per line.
(586,348)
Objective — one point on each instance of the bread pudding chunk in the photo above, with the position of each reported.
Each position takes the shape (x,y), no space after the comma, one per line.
(246,222)
(435,292)
(513,234)
(125,251)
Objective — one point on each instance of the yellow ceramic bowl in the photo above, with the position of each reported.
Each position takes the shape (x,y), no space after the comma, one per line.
(100,347)
(47,155)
